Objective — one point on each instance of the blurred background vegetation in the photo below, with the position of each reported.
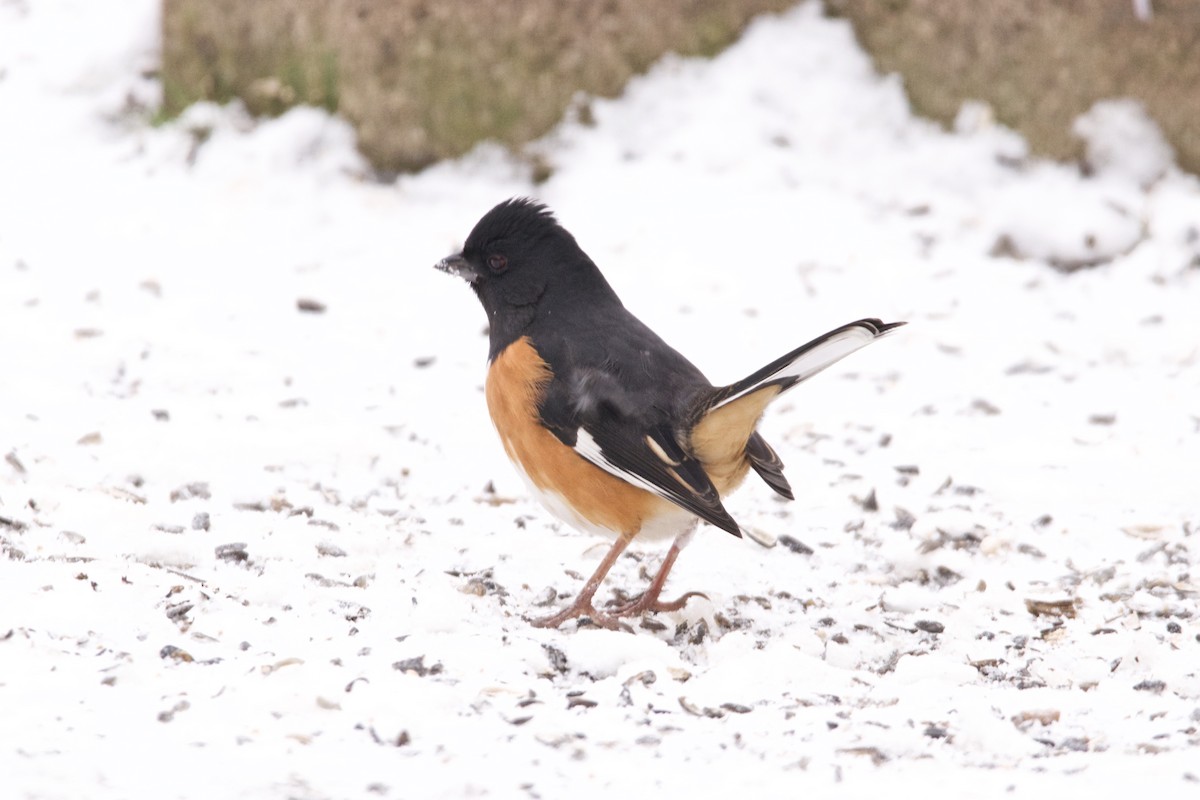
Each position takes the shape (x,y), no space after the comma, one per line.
(423,80)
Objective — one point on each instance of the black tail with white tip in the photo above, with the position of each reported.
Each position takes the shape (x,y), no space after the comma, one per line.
(724,435)
(805,361)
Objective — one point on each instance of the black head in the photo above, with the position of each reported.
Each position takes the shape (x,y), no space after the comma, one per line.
(517,260)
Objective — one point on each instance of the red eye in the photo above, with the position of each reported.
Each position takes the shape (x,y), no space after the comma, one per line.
(497,263)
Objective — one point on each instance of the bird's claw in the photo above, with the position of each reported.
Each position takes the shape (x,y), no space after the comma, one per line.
(610,617)
(647,603)
(582,609)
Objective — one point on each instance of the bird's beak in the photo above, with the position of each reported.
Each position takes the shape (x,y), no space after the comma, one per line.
(457,265)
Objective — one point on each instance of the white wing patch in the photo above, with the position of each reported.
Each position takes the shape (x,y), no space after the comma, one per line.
(587,447)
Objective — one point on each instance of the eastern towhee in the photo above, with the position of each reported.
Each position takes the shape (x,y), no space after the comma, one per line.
(611,427)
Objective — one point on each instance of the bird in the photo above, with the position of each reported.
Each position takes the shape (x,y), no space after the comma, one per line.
(614,430)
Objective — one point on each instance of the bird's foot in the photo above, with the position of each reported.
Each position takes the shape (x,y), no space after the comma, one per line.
(648,602)
(582,607)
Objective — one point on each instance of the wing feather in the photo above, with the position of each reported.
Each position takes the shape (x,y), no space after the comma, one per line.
(653,460)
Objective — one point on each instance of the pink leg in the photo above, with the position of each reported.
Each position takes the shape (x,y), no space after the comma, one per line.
(648,600)
(582,607)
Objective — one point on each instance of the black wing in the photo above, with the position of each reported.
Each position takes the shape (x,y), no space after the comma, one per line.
(618,400)
(653,460)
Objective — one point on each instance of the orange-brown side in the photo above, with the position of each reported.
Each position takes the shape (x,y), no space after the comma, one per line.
(516,382)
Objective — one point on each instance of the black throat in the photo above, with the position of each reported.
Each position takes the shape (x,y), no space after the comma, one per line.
(509,316)
(560,301)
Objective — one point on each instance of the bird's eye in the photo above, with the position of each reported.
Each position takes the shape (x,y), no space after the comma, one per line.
(497,263)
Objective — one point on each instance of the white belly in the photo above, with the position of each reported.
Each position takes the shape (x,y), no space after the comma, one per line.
(661,527)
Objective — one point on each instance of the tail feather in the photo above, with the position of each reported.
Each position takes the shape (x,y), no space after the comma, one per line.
(805,361)
(723,437)
(768,465)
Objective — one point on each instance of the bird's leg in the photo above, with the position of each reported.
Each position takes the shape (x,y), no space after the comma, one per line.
(582,607)
(648,600)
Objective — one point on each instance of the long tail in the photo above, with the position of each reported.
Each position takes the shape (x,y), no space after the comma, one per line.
(724,432)
(804,362)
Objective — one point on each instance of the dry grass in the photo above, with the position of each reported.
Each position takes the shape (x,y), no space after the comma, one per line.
(421,80)
(1040,63)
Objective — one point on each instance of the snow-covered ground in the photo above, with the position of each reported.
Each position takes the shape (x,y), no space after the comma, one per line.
(258,539)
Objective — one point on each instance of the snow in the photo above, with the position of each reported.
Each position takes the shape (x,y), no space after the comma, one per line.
(256,551)
(1121,138)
